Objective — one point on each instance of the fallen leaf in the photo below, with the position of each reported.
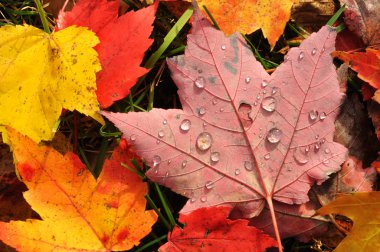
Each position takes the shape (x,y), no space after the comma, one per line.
(244,137)
(363,18)
(247,16)
(123,42)
(366,64)
(364,210)
(41,73)
(78,212)
(208,229)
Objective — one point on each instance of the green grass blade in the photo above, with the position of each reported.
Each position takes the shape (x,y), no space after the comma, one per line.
(211,17)
(42,14)
(160,215)
(165,205)
(334,18)
(151,243)
(172,34)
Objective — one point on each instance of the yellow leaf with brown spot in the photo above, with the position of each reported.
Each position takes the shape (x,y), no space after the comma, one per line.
(364,210)
(78,212)
(40,74)
(247,16)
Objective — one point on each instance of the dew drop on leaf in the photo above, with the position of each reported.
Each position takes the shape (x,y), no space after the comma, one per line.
(248,165)
(301,56)
(322,116)
(247,80)
(237,172)
(274,135)
(200,82)
(132,138)
(201,111)
(214,101)
(161,134)
(209,185)
(267,156)
(214,156)
(203,199)
(156,160)
(269,104)
(314,51)
(264,83)
(184,163)
(327,151)
(300,157)
(204,141)
(223,47)
(185,125)
(166,174)
(313,114)
(274,90)
(317,146)
(164,122)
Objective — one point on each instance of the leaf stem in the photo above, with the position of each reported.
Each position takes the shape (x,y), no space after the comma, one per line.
(275,226)
(42,14)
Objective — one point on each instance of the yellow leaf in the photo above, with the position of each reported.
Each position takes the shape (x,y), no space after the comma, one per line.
(247,16)
(41,73)
(78,212)
(364,210)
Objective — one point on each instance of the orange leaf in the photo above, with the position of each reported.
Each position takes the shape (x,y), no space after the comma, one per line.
(78,212)
(247,16)
(366,64)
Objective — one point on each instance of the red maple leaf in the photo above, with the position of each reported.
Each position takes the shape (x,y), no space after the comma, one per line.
(123,42)
(243,137)
(209,230)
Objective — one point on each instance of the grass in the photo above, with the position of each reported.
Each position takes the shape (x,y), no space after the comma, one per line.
(94,143)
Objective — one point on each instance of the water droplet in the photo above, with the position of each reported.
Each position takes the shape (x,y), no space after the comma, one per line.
(221,109)
(80,172)
(161,134)
(300,157)
(264,83)
(204,141)
(156,160)
(132,138)
(248,165)
(269,104)
(307,149)
(237,172)
(223,47)
(247,80)
(325,161)
(258,97)
(158,141)
(201,111)
(164,122)
(166,174)
(316,136)
(255,104)
(264,91)
(185,125)
(214,156)
(323,49)
(327,150)
(155,171)
(313,114)
(314,51)
(209,185)
(267,156)
(322,116)
(214,101)
(317,146)
(244,89)
(301,56)
(184,163)
(193,199)
(274,90)
(274,135)
(323,140)
(203,199)
(200,82)
(260,135)
(169,161)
